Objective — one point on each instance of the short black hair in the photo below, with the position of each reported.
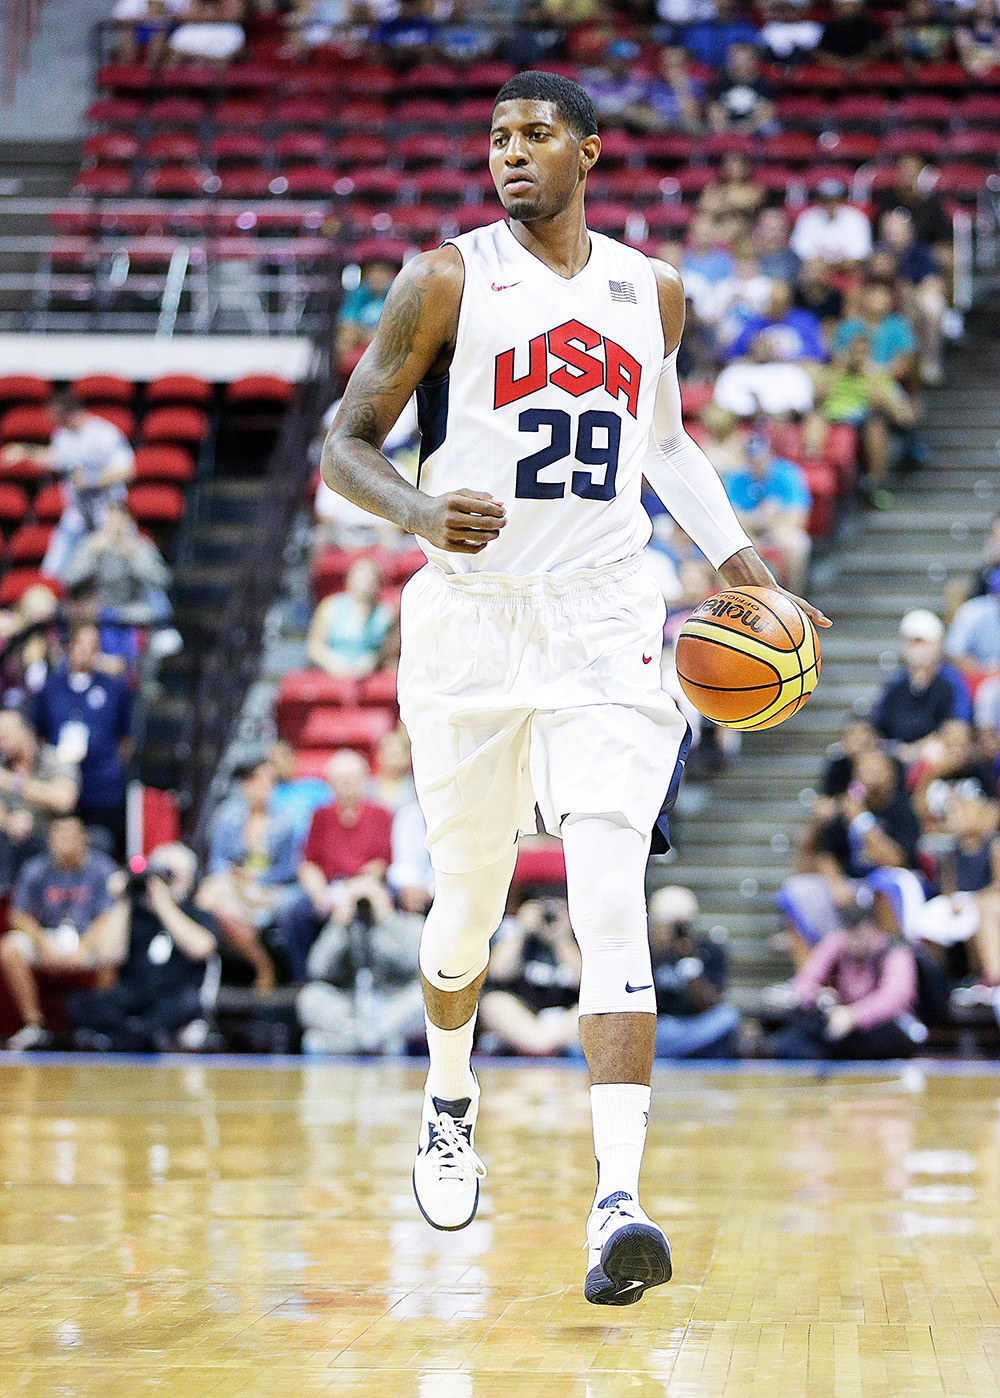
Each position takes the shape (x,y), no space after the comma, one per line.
(571,101)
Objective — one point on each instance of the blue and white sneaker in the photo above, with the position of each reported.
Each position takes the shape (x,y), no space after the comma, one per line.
(447,1170)
(627,1252)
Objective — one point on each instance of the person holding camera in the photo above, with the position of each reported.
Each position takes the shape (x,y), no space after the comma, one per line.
(533,985)
(159,944)
(364,992)
(689,976)
(57,909)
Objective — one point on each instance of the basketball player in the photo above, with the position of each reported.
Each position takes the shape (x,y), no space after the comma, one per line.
(543,358)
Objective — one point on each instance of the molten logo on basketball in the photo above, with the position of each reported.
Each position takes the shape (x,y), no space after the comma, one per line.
(721,606)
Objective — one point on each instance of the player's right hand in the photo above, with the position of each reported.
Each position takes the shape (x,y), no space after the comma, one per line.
(463,521)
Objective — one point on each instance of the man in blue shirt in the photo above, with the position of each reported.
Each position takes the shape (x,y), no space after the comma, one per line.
(772,502)
(973,640)
(708,41)
(924,709)
(87,716)
(796,335)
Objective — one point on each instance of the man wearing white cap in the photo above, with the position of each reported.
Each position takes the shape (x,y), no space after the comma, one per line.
(925,708)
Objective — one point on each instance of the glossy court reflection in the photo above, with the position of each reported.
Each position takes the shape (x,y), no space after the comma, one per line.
(201,1230)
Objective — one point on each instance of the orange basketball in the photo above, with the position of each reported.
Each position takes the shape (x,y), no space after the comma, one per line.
(748,657)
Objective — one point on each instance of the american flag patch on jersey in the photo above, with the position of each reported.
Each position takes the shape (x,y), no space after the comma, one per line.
(623,291)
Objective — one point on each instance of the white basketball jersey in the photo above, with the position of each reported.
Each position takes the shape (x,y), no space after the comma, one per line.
(547,405)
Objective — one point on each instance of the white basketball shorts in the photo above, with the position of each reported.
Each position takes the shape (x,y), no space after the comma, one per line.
(537,691)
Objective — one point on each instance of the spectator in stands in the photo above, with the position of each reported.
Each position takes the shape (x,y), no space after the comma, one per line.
(411,875)
(314,23)
(831,228)
(816,291)
(393,782)
(772,501)
(159,944)
(923,287)
(921,37)
(855,390)
(709,41)
(58,898)
(359,312)
(36,787)
(140,29)
(533,983)
(866,823)
(617,90)
(87,715)
(742,99)
(27,641)
(739,299)
(854,997)
(295,799)
(348,629)
(788,36)
(463,38)
(350,838)
(363,993)
(211,33)
(734,199)
(925,698)
(973,639)
(770,239)
(95,461)
(407,38)
(673,100)
(851,37)
(342,523)
(977,40)
(796,335)
(911,191)
(252,866)
(763,383)
(892,343)
(535,40)
(704,263)
(125,574)
(690,975)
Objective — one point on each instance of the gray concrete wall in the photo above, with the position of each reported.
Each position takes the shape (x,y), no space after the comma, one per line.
(50,97)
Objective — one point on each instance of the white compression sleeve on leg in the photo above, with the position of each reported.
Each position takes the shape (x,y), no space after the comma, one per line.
(605,879)
(685,479)
(467,910)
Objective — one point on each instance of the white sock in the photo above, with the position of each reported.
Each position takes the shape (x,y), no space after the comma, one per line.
(620,1113)
(450,1074)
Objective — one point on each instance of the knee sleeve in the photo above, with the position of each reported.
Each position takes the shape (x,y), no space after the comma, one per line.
(605,876)
(467,910)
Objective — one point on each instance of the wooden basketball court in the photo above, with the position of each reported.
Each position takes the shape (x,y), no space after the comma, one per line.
(192,1229)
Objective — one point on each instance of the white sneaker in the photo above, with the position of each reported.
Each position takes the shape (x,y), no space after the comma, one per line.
(447,1170)
(31,1036)
(626,1252)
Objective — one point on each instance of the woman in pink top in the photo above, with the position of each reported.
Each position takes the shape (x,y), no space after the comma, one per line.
(855,995)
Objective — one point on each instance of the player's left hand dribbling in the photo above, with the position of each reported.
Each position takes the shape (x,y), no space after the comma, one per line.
(463,521)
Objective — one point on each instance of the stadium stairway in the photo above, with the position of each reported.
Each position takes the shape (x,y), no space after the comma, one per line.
(735,833)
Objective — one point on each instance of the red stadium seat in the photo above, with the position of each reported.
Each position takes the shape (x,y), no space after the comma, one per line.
(28,544)
(13,468)
(122,417)
(377,185)
(185,425)
(617,148)
(841,453)
(73,218)
(976,143)
(164,463)
(979,108)
(912,140)
(103,181)
(880,76)
(27,424)
(362,113)
(303,690)
(114,111)
(695,397)
(541,863)
(176,181)
(422,111)
(302,111)
(296,146)
(236,146)
(822,483)
(964,181)
(474,111)
(179,388)
(943,75)
(260,388)
(801,110)
(156,504)
(432,77)
(369,80)
(865,109)
(245,112)
(103,388)
(644,186)
(250,77)
(310,181)
(487,77)
(378,249)
(19,580)
(719,143)
(471,216)
(113,147)
(191,77)
(823,76)
(923,108)
(359,728)
(13,502)
(440,186)
(667,149)
(667,219)
(415,221)
(609,218)
(361,149)
(849,145)
(795,146)
(425,149)
(175,111)
(124,77)
(245,182)
(691,179)
(49,504)
(24,388)
(379,690)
